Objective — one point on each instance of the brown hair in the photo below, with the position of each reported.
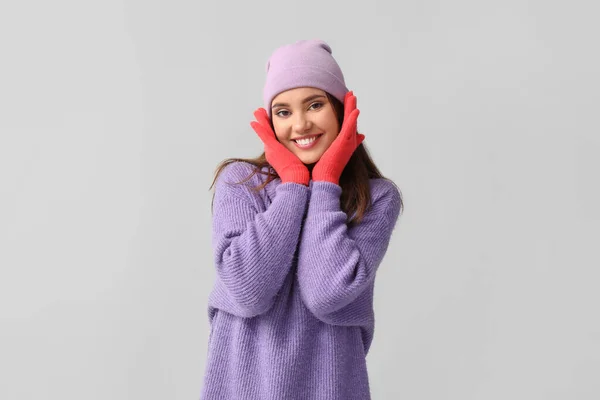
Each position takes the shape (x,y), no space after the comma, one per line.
(354,181)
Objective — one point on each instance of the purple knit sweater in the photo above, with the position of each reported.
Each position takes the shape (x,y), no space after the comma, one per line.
(291,312)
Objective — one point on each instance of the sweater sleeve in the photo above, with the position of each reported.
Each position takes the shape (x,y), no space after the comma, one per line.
(337,264)
(253,247)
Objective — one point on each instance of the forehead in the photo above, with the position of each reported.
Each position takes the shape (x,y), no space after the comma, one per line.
(297,94)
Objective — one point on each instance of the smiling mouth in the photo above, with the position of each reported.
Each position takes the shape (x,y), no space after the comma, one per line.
(307,137)
(307,142)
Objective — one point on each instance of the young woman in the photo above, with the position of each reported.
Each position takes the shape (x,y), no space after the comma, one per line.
(298,236)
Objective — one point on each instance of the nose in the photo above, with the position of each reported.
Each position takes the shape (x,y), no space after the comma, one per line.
(302,123)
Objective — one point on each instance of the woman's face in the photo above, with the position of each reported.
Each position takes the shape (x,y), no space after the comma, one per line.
(304,113)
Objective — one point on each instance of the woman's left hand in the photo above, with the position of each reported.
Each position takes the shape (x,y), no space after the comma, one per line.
(333,161)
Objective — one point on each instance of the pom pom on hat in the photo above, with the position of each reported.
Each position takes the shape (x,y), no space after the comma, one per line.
(306,63)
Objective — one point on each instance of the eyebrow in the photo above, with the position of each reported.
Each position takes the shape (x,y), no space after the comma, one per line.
(306,100)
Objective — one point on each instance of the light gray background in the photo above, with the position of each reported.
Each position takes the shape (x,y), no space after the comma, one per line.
(114,114)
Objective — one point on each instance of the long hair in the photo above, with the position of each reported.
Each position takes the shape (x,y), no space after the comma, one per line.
(354,181)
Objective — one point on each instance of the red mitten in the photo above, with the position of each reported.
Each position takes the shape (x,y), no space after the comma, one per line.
(333,161)
(287,165)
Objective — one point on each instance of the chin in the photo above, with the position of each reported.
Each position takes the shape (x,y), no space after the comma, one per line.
(309,160)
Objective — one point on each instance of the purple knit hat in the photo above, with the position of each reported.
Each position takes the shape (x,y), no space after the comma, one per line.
(306,63)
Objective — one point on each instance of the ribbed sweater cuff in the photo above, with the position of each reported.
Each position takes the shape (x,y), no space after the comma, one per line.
(326,196)
(294,189)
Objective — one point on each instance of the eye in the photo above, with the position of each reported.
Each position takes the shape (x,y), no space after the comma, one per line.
(319,104)
(278,113)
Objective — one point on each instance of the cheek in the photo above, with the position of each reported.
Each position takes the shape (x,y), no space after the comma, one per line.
(329,122)
(332,129)
(278,132)
(282,137)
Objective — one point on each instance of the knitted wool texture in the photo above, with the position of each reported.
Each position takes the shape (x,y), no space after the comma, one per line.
(291,311)
(305,63)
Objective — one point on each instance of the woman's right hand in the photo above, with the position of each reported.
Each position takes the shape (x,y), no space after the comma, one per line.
(287,165)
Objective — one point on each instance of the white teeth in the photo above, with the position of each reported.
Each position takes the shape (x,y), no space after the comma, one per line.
(304,142)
